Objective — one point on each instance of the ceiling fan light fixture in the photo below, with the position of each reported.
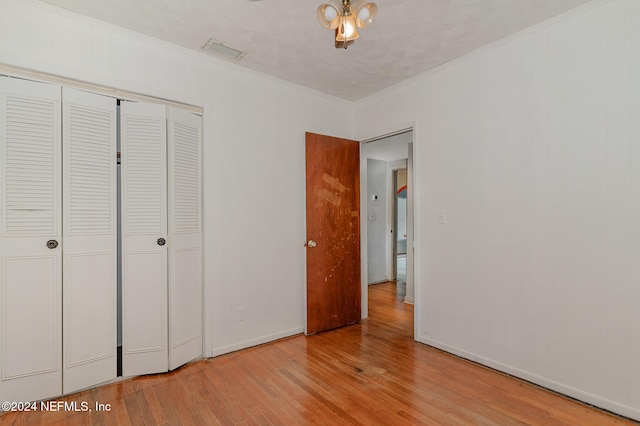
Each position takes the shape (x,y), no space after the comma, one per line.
(345,18)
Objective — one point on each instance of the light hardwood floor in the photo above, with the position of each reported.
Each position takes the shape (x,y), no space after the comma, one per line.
(370,373)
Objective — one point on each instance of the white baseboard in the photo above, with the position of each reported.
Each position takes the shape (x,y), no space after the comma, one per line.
(572,392)
(255,342)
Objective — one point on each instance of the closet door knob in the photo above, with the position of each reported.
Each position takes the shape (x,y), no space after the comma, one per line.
(52,244)
(161,241)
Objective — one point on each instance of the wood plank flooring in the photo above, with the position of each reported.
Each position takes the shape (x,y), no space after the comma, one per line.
(370,373)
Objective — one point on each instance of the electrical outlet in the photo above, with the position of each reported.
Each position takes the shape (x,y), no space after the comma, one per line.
(442,217)
(241,313)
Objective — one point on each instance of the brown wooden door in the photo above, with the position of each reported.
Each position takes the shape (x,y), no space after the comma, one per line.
(333,223)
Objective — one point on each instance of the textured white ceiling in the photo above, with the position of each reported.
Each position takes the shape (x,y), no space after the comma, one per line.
(283,38)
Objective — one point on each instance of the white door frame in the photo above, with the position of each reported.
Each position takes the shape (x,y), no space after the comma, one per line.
(411,236)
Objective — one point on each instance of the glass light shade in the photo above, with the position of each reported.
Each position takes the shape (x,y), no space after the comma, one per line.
(347,29)
(330,13)
(324,12)
(363,14)
(366,15)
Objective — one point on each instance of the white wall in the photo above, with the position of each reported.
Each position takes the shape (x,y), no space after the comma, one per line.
(531,147)
(254,156)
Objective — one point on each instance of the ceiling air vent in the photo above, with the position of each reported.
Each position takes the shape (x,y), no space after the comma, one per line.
(216,48)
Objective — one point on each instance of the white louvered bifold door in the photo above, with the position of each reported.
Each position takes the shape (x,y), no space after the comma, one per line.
(90,241)
(30,229)
(144,230)
(185,238)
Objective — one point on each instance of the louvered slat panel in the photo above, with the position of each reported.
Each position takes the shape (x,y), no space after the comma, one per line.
(142,168)
(187,178)
(90,163)
(30,135)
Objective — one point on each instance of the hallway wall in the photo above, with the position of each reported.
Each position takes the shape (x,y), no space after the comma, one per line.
(377,221)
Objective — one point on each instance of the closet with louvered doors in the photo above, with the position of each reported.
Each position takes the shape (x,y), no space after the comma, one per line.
(57,240)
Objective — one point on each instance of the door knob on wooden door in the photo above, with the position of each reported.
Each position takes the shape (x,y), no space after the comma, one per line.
(52,244)
(161,241)
(311,244)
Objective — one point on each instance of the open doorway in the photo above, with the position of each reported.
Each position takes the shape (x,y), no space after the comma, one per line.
(387,225)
